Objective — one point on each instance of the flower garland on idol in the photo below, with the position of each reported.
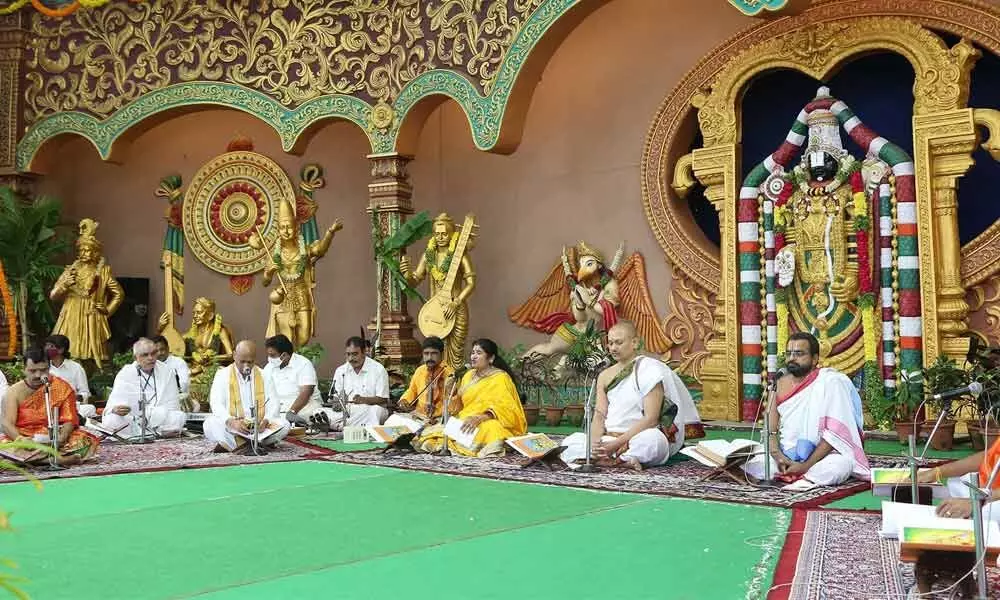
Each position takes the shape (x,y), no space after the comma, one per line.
(439,273)
(850,171)
(8,307)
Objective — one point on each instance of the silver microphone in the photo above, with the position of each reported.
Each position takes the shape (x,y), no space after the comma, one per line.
(45,379)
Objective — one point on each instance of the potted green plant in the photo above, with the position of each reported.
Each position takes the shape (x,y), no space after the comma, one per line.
(554,409)
(535,375)
(584,354)
(983,423)
(30,246)
(906,404)
(314,352)
(942,376)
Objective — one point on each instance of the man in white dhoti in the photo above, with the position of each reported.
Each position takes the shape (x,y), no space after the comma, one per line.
(182,373)
(70,371)
(290,379)
(364,383)
(642,407)
(816,422)
(151,380)
(237,395)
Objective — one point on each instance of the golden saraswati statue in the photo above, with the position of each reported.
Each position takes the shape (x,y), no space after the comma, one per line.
(90,295)
(452,279)
(207,340)
(293,308)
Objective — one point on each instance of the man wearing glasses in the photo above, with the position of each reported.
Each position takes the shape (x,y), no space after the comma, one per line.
(816,422)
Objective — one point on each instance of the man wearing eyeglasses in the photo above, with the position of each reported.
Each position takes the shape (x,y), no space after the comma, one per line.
(816,422)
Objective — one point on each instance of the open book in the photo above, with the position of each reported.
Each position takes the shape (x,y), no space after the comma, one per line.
(717,453)
(21,456)
(454,431)
(388,434)
(919,529)
(533,445)
(886,480)
(263,436)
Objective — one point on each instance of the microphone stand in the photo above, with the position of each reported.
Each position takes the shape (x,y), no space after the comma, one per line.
(53,424)
(445,415)
(255,447)
(588,415)
(143,421)
(977,495)
(767,431)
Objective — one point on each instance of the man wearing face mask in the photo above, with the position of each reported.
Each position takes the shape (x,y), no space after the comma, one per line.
(424,399)
(816,422)
(156,382)
(70,371)
(290,380)
(364,382)
(237,395)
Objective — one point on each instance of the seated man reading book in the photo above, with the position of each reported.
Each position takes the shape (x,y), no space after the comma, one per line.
(422,402)
(956,473)
(816,422)
(25,418)
(237,395)
(639,400)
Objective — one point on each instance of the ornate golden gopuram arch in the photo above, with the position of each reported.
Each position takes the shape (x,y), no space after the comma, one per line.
(817,42)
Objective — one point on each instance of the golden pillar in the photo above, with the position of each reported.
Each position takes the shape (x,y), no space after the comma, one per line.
(942,146)
(389,195)
(13,40)
(716,169)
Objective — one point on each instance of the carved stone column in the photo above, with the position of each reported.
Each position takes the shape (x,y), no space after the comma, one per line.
(13,39)
(389,196)
(716,169)
(942,146)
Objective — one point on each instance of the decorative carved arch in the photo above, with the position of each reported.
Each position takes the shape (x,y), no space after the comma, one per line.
(688,249)
(496,118)
(111,136)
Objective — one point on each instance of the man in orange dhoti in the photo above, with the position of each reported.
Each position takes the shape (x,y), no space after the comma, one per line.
(24,416)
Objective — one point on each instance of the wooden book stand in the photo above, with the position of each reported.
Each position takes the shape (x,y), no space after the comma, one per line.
(550,459)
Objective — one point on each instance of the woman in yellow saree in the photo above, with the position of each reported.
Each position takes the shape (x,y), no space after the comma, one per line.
(490,404)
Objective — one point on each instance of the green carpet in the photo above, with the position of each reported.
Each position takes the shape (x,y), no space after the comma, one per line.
(311,529)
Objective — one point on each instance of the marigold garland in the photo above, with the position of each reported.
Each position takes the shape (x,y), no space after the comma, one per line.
(439,273)
(8,307)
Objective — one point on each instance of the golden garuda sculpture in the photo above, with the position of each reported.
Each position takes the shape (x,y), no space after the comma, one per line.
(293,263)
(839,251)
(583,291)
(207,340)
(452,279)
(90,295)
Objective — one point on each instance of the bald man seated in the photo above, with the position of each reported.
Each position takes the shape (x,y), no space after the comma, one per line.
(639,400)
(238,394)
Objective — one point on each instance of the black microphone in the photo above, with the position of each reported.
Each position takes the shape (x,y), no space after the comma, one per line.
(604,363)
(974,389)
(45,380)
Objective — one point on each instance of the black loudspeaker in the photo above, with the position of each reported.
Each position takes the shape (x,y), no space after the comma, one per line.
(131,321)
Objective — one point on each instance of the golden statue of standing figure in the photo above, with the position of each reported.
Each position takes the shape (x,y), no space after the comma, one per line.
(293,308)
(90,295)
(452,280)
(207,339)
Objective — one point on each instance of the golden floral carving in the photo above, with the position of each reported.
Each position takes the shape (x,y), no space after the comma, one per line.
(690,324)
(941,84)
(98,61)
(984,309)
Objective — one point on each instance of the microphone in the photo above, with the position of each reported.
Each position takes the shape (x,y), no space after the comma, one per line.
(974,389)
(45,380)
(604,363)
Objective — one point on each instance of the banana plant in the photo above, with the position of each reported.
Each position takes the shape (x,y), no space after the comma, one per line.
(387,251)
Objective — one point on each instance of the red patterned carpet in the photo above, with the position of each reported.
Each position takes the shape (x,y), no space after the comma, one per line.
(166,455)
(682,478)
(839,555)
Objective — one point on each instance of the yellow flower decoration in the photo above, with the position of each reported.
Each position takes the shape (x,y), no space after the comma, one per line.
(781,309)
(439,273)
(860,204)
(868,327)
